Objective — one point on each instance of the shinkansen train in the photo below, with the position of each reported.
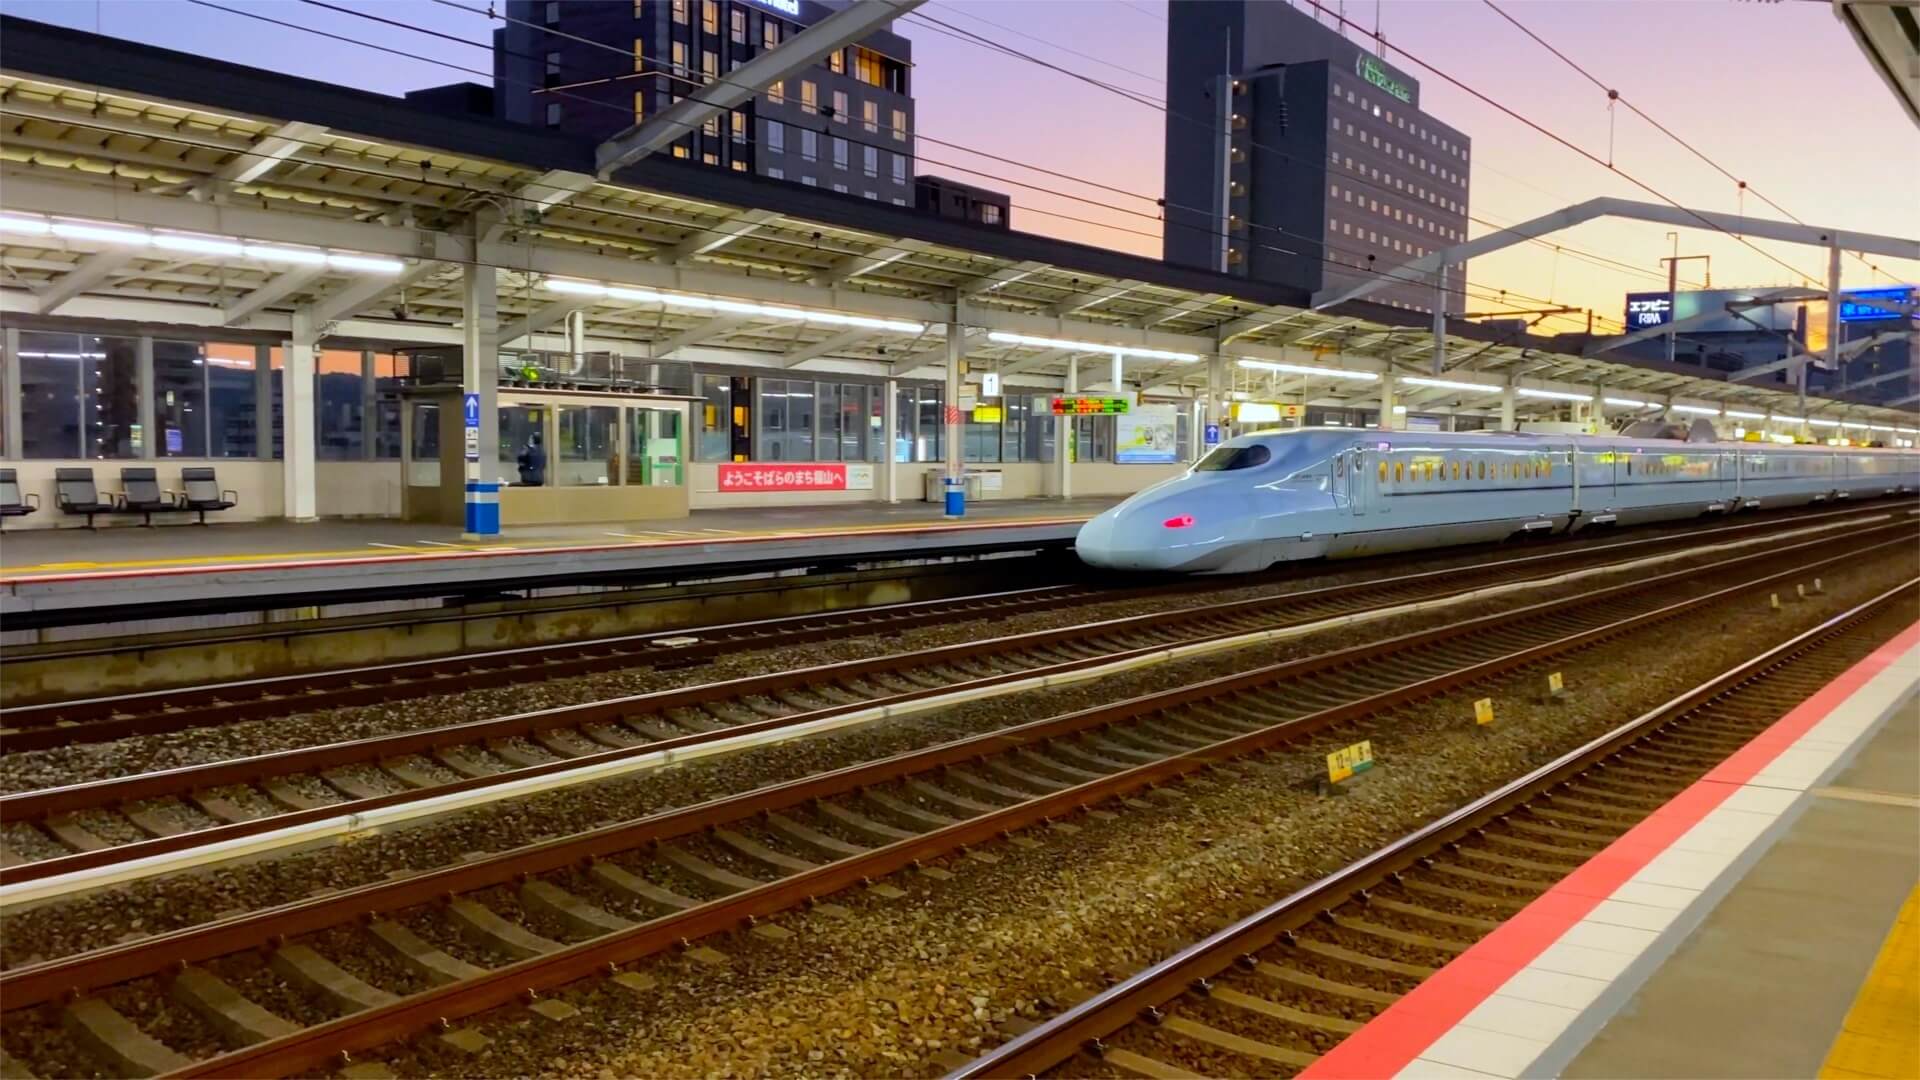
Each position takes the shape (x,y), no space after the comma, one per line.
(1270,497)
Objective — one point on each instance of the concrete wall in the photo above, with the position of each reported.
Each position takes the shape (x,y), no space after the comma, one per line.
(355,488)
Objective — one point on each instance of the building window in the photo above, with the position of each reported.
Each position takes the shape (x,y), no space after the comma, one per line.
(739,122)
(180,399)
(78,396)
(990,213)
(839,153)
(899,123)
(840,106)
(738,164)
(869,161)
(680,150)
(870,115)
(639,105)
(899,168)
(553,114)
(709,65)
(776,173)
(777,93)
(552,13)
(680,11)
(709,16)
(809,181)
(776,136)
(783,420)
(898,201)
(709,158)
(837,61)
(737,25)
(769,33)
(710,127)
(809,145)
(340,400)
(680,58)
(841,188)
(809,97)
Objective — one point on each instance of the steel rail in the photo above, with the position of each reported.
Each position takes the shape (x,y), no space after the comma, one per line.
(33,727)
(84,972)
(44,803)
(1054,1041)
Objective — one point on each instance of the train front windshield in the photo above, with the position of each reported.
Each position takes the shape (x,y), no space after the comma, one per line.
(1226,458)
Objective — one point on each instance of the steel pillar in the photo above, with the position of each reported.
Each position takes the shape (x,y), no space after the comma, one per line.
(296,421)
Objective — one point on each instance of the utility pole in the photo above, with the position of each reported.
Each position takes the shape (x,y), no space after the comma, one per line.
(1673,287)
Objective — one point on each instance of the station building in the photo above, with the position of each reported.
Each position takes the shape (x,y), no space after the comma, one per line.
(1297,156)
(298,285)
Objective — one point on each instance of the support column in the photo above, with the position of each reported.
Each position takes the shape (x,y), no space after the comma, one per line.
(143,388)
(480,375)
(369,405)
(15,448)
(299,489)
(263,402)
(954,488)
(1063,433)
(1506,408)
(1597,409)
(1386,402)
(1440,320)
(890,419)
(1119,375)
(1833,306)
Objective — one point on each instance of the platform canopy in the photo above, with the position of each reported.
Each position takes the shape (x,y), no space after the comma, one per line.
(222,170)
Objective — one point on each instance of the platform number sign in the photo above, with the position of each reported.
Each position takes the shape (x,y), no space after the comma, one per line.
(471,408)
(1343,764)
(1483,711)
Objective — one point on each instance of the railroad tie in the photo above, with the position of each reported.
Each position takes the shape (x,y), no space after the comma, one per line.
(1143,1066)
(1339,1025)
(575,914)
(409,774)
(322,978)
(11,1068)
(718,877)
(422,959)
(1239,1044)
(281,791)
(153,823)
(481,925)
(948,800)
(118,1041)
(218,808)
(237,1019)
(352,785)
(748,848)
(66,829)
(1304,981)
(864,825)
(513,755)
(926,819)
(812,839)
(639,889)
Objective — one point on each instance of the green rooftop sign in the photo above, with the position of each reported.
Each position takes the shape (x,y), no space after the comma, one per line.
(1376,73)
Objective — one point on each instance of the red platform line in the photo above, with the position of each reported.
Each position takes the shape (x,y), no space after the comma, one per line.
(1392,1040)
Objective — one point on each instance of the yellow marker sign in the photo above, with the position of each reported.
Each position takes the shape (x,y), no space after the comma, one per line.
(1555,685)
(986,414)
(1483,711)
(1342,764)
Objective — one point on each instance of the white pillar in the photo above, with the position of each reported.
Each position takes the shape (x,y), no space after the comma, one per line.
(956,432)
(1063,434)
(1597,408)
(296,421)
(1386,403)
(1506,408)
(890,419)
(1119,374)
(480,374)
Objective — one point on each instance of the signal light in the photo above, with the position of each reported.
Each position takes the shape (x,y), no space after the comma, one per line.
(1184,521)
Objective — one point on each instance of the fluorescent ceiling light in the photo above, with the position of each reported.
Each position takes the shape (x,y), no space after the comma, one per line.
(1090,346)
(23,226)
(101,234)
(1445,384)
(1907,431)
(1790,419)
(733,307)
(1746,415)
(1305,369)
(1879,427)
(1556,395)
(1824,423)
(304,256)
(205,245)
(365,262)
(1625,402)
(1697,410)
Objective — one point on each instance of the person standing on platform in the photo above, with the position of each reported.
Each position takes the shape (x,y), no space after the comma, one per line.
(533,463)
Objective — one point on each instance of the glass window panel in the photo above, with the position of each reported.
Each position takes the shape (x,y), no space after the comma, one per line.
(339,400)
(50,424)
(112,402)
(930,444)
(905,400)
(800,411)
(277,360)
(524,455)
(588,444)
(386,407)
(232,425)
(876,422)
(829,402)
(770,420)
(179,399)
(714,419)
(424,469)
(853,422)
(654,456)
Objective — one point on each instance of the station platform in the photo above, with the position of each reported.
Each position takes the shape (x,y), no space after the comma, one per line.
(1761,924)
(51,576)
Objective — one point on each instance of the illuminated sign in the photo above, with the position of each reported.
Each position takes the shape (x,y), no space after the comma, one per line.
(1648,309)
(795,477)
(1868,305)
(785,7)
(1262,412)
(1089,406)
(986,414)
(1376,73)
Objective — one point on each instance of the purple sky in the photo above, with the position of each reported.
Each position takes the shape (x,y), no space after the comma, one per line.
(1776,93)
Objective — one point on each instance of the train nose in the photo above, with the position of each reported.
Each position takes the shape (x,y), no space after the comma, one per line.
(1150,537)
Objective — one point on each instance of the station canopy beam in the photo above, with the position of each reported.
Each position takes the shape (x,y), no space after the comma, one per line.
(796,54)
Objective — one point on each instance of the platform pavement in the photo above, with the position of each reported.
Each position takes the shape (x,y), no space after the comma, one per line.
(1732,934)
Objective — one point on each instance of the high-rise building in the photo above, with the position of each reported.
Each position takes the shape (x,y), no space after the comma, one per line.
(845,124)
(1297,156)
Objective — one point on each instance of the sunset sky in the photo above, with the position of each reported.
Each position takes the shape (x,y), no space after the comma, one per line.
(1778,94)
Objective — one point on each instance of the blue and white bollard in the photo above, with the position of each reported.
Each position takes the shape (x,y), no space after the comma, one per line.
(956,489)
(483,509)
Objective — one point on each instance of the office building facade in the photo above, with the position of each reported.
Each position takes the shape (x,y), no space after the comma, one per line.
(844,124)
(1297,156)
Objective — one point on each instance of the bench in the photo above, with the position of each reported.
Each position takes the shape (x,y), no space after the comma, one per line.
(140,494)
(74,492)
(202,493)
(12,504)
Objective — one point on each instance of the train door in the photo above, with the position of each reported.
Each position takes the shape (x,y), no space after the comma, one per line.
(1349,491)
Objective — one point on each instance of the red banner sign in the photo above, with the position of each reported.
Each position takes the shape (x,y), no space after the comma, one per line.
(798,476)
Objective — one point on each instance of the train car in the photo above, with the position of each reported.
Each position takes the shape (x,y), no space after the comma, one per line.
(1272,497)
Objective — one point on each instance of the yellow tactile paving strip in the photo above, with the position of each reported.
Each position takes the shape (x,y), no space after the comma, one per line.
(637,538)
(1881,1036)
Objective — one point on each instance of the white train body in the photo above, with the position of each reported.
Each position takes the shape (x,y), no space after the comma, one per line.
(1276,496)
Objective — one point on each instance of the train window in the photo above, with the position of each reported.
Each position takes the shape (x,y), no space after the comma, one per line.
(1383,472)
(1483,470)
(1456,470)
(1234,457)
(1429,470)
(1397,472)
(1546,468)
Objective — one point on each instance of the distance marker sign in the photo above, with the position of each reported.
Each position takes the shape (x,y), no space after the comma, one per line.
(1342,764)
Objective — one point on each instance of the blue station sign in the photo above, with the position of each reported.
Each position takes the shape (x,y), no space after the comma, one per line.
(1648,309)
(1869,305)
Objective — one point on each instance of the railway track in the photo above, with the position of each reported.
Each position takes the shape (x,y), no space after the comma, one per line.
(136,817)
(510,927)
(42,726)
(1273,992)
